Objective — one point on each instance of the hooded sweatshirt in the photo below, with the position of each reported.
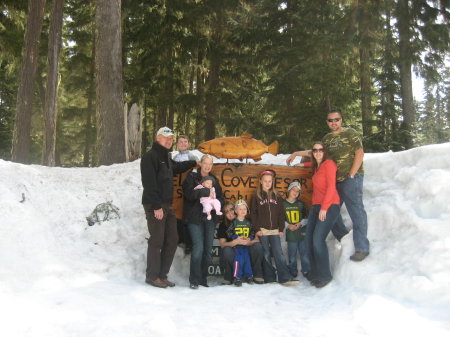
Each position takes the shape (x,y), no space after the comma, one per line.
(267,213)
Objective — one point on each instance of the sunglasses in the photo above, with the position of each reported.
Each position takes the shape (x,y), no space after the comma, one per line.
(318,150)
(331,120)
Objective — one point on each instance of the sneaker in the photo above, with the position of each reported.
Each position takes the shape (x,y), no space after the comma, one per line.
(320,284)
(250,280)
(193,286)
(204,284)
(238,282)
(157,283)
(258,280)
(290,283)
(359,256)
(169,284)
(226,282)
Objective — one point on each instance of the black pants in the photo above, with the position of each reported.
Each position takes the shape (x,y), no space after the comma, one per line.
(162,243)
(256,257)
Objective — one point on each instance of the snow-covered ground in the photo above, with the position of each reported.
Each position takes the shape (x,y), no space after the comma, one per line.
(60,277)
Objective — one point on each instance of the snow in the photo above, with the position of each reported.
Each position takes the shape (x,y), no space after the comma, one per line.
(61,277)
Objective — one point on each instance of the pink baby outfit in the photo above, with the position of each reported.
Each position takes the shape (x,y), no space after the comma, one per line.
(209,203)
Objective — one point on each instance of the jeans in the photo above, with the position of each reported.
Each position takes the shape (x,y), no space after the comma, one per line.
(351,193)
(202,240)
(302,249)
(256,258)
(316,233)
(272,247)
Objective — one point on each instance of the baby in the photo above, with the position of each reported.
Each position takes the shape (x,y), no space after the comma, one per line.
(209,203)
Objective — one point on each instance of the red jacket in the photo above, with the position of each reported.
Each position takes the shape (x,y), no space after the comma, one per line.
(324,185)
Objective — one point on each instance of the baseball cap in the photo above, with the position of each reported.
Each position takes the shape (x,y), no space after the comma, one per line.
(240,202)
(294,184)
(165,131)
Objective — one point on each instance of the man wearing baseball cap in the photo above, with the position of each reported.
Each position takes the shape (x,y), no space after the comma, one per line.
(157,171)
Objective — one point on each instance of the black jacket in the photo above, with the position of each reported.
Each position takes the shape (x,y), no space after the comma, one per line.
(193,209)
(157,171)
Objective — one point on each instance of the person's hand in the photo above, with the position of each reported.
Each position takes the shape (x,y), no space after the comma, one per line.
(211,194)
(260,233)
(292,227)
(281,233)
(159,213)
(322,215)
(290,159)
(246,241)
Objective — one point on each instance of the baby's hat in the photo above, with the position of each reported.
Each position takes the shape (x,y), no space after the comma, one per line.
(205,178)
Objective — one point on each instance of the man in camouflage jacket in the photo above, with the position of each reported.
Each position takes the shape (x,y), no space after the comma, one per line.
(344,146)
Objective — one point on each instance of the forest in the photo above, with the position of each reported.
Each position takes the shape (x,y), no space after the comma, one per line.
(71,70)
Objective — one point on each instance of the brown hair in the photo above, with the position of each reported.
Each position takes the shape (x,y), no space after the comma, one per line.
(225,219)
(272,193)
(315,165)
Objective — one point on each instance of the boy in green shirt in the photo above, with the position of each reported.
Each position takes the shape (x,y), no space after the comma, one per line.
(296,221)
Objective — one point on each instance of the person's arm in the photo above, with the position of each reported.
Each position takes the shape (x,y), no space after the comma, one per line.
(254,215)
(305,153)
(357,162)
(330,179)
(281,215)
(189,191)
(181,166)
(192,156)
(149,167)
(218,190)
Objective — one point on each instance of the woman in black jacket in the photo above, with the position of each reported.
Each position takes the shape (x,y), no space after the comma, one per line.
(201,229)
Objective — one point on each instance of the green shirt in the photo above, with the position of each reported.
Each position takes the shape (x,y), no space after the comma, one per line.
(240,228)
(341,148)
(295,212)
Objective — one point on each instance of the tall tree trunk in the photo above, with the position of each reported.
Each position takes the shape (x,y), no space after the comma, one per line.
(213,80)
(403,16)
(50,112)
(22,128)
(88,129)
(170,90)
(199,125)
(108,63)
(364,69)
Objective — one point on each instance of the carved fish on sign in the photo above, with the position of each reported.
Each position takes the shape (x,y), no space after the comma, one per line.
(238,147)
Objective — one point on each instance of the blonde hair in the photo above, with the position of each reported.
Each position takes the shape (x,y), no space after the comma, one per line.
(206,156)
(272,193)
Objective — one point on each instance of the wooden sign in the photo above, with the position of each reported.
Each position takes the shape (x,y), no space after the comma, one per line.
(239,181)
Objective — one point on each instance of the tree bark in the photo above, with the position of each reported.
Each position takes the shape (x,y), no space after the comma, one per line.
(50,112)
(22,128)
(213,80)
(403,16)
(108,63)
(364,69)
(199,125)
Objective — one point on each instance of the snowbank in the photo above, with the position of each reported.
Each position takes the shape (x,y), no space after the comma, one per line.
(61,277)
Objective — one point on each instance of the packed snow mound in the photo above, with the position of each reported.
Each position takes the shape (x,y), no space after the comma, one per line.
(54,263)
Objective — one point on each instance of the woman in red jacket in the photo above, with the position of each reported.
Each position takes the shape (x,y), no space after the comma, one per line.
(324,212)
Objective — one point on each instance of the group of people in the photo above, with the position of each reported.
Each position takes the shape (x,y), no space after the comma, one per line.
(250,235)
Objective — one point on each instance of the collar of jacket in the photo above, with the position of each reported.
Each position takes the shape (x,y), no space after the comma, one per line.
(161,150)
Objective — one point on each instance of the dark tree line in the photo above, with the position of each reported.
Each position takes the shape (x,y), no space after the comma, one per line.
(217,68)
